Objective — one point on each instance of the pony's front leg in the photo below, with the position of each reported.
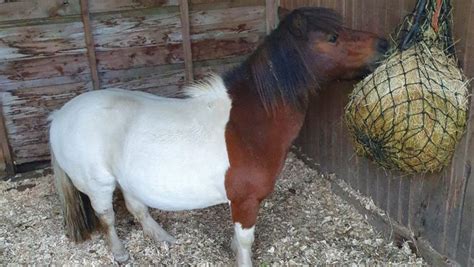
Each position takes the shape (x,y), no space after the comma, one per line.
(244,215)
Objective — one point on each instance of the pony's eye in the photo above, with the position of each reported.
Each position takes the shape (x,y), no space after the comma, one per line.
(332,38)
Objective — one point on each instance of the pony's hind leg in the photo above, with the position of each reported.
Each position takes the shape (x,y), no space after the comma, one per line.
(150,226)
(104,210)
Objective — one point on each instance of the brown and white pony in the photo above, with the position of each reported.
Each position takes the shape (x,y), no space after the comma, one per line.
(224,143)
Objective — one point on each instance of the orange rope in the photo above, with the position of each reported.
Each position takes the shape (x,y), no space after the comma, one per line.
(434,21)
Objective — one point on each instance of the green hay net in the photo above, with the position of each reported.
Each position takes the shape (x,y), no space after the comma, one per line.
(411,112)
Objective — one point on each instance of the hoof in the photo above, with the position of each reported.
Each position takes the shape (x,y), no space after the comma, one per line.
(121,257)
(160,235)
(169,239)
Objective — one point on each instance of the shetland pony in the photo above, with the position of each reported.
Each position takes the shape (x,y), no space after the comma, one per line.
(225,142)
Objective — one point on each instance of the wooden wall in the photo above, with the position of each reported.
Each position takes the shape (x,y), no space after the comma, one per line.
(138,45)
(438,208)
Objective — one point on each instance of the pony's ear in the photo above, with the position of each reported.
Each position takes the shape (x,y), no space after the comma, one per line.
(298,24)
(282,13)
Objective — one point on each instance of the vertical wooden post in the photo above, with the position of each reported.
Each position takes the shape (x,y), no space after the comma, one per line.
(6,155)
(185,32)
(271,14)
(90,43)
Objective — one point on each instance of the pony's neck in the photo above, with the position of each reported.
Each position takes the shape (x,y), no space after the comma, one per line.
(263,132)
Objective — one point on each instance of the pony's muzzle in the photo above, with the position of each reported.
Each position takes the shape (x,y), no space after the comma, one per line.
(382,45)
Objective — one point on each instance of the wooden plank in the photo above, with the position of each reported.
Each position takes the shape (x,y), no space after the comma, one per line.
(336,126)
(35,9)
(348,152)
(32,153)
(226,48)
(122,5)
(242,14)
(468,59)
(471,258)
(188,56)
(377,185)
(417,205)
(436,191)
(89,39)
(313,130)
(135,29)
(321,119)
(204,49)
(362,176)
(44,40)
(334,120)
(26,111)
(347,13)
(408,7)
(319,129)
(463,252)
(462,18)
(404,200)
(8,167)
(45,82)
(161,76)
(452,209)
(140,78)
(139,57)
(327,128)
(126,5)
(393,16)
(378,22)
(271,15)
(356,10)
(466,225)
(43,71)
(380,187)
(393,196)
(140,30)
(219,66)
(328,4)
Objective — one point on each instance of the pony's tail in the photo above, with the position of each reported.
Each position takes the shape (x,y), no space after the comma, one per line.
(79,218)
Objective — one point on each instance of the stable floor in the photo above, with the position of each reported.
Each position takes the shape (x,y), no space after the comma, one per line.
(303,222)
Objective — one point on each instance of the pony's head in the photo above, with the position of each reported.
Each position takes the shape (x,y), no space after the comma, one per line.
(331,51)
(309,47)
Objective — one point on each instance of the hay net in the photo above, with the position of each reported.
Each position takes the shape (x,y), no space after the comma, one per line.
(411,112)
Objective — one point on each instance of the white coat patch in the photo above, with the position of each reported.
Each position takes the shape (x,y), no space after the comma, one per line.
(242,244)
(168,153)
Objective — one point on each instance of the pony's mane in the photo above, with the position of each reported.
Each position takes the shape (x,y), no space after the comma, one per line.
(211,87)
(280,67)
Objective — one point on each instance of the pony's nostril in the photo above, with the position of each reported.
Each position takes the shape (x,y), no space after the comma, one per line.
(383,46)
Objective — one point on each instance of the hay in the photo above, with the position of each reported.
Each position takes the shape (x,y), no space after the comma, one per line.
(404,116)
(412,111)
